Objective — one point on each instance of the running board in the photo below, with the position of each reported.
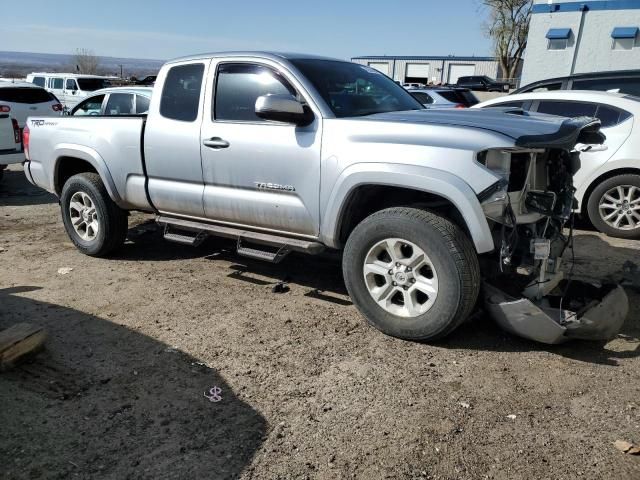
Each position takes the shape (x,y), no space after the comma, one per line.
(264,255)
(287,244)
(190,238)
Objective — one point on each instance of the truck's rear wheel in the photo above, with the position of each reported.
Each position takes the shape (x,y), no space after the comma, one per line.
(413,274)
(95,224)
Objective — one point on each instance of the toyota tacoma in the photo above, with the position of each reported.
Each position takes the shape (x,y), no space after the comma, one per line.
(436,212)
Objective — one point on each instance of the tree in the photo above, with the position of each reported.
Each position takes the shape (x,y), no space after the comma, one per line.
(508,26)
(85,61)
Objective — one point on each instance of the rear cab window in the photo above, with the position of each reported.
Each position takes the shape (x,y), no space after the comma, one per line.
(180,98)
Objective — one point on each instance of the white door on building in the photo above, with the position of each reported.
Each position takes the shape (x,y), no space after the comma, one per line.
(417,72)
(457,71)
(380,66)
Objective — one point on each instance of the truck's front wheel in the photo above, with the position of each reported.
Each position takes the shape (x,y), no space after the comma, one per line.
(95,224)
(412,273)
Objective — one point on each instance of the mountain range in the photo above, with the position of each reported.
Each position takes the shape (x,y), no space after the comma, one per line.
(19,64)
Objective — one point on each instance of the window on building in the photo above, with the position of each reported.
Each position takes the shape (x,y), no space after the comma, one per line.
(558,43)
(624,38)
(558,38)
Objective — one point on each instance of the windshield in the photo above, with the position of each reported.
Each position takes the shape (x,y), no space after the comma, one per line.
(92,84)
(353,90)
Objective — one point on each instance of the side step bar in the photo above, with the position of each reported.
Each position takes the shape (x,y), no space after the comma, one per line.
(201,229)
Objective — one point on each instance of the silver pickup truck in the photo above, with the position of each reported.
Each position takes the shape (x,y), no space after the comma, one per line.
(299,153)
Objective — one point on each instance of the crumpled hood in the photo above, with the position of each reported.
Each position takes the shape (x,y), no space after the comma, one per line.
(528,130)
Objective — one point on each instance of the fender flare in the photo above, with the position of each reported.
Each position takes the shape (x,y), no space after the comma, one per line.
(91,157)
(438,182)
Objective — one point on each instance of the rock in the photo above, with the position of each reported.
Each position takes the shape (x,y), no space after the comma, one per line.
(65,270)
(627,447)
(511,417)
(464,404)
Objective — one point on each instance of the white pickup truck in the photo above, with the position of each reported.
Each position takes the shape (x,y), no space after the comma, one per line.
(299,153)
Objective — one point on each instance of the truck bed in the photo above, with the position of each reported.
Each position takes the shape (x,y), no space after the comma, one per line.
(111,144)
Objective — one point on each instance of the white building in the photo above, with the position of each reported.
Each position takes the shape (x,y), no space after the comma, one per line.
(431,69)
(567,37)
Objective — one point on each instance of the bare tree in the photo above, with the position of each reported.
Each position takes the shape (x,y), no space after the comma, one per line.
(508,26)
(85,61)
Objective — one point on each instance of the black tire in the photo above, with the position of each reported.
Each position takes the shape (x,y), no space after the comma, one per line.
(593,210)
(451,253)
(112,220)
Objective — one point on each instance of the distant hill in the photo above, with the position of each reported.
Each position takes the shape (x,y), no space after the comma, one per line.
(19,64)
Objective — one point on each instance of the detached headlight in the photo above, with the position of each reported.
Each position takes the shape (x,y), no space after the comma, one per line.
(495,198)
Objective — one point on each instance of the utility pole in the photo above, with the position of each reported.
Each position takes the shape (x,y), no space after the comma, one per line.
(121,71)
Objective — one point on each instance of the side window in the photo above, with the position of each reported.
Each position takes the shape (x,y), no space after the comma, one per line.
(71,84)
(422,97)
(181,92)
(507,105)
(567,109)
(238,87)
(609,116)
(91,106)
(119,104)
(142,104)
(40,81)
(56,83)
(630,85)
(547,87)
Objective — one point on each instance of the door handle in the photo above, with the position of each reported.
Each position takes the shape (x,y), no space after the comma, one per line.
(216,143)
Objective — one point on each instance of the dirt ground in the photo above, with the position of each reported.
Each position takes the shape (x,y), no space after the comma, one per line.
(308,390)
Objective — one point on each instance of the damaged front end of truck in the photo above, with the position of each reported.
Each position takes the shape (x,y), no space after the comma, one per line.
(527,288)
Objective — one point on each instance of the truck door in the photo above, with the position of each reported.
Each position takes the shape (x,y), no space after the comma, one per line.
(172,140)
(257,173)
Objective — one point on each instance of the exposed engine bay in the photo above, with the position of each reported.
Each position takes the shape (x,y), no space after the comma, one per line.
(531,215)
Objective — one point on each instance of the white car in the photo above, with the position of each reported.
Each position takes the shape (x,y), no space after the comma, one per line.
(9,139)
(608,182)
(115,101)
(25,99)
(69,88)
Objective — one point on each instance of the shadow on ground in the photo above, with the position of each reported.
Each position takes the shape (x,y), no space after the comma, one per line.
(103,401)
(15,190)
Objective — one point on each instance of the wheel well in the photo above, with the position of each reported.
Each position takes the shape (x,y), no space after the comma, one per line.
(67,168)
(600,179)
(367,199)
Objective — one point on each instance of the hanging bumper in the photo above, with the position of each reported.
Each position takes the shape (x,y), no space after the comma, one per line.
(580,310)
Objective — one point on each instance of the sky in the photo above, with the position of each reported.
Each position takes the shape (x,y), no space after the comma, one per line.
(163,29)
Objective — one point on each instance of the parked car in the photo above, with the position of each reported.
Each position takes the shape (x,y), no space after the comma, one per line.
(482,83)
(10,141)
(608,181)
(622,81)
(26,99)
(413,85)
(295,153)
(115,101)
(444,97)
(69,88)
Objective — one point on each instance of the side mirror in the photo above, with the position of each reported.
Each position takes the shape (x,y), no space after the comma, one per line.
(283,108)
